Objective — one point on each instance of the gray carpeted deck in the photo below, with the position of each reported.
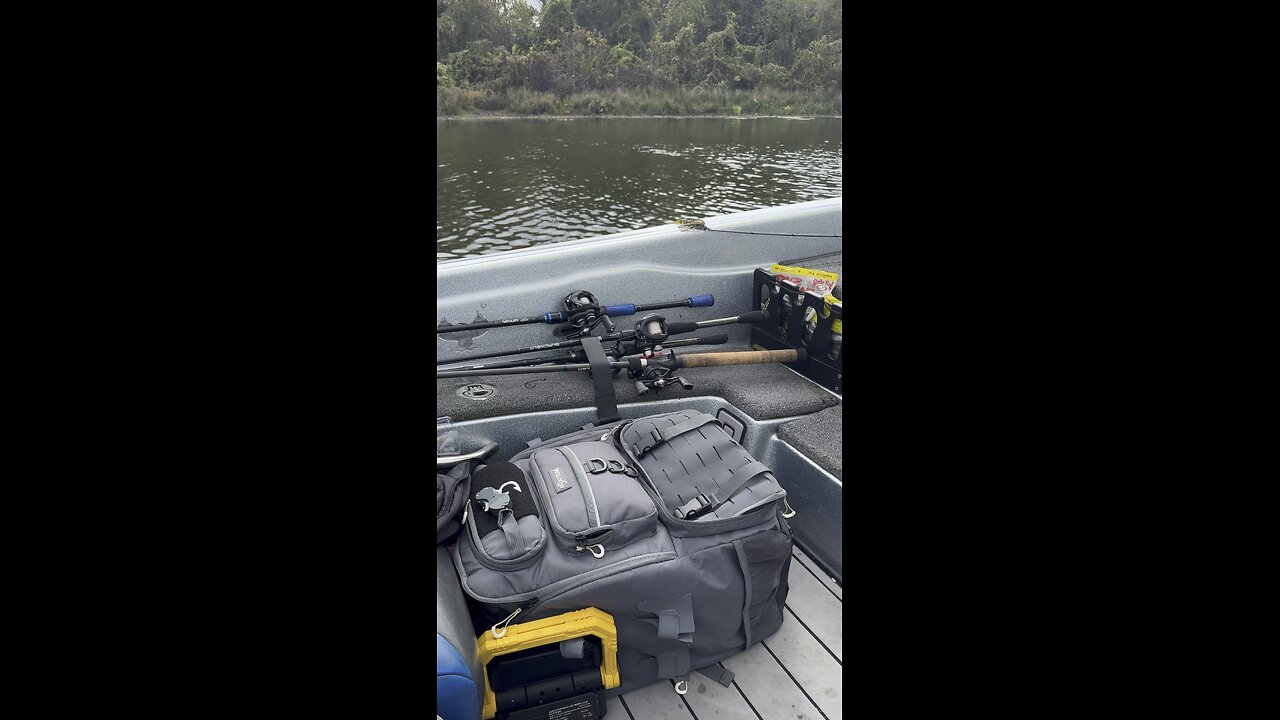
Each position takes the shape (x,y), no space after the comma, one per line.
(818,437)
(765,392)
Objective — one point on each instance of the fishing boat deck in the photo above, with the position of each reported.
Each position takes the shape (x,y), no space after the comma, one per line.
(792,675)
(791,424)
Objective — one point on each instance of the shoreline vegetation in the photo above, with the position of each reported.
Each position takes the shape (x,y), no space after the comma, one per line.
(639,58)
(458,102)
(709,116)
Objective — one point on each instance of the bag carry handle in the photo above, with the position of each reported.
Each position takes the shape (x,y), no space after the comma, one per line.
(662,435)
(480,454)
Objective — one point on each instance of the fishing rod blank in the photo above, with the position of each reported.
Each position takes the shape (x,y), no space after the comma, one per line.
(569,316)
(580,356)
(693,360)
(676,327)
(646,329)
(695,301)
(578,329)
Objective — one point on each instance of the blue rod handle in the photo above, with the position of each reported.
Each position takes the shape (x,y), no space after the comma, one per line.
(616,310)
(701,301)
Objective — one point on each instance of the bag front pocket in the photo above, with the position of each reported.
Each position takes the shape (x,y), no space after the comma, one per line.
(502,518)
(593,498)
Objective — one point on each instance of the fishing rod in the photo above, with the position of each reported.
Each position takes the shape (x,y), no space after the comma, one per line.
(640,365)
(580,356)
(581,314)
(644,326)
(585,324)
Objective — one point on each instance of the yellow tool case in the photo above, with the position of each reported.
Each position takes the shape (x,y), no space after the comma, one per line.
(556,668)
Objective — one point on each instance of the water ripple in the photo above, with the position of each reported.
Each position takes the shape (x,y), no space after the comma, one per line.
(563,180)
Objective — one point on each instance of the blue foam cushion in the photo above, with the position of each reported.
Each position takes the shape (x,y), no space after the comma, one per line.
(457,695)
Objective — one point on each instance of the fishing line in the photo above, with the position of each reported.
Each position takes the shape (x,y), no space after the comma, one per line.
(751,232)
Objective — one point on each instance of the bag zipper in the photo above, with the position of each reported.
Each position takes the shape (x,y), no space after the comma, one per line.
(579,436)
(530,601)
(507,621)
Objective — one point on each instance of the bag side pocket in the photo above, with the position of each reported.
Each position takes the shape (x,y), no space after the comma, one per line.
(765,559)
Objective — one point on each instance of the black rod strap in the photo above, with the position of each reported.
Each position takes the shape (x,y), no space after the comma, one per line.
(602,376)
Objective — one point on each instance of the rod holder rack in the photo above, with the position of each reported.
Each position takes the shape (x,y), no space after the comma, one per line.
(785,328)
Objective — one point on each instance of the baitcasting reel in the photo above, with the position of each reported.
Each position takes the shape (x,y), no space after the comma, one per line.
(651,332)
(584,313)
(656,377)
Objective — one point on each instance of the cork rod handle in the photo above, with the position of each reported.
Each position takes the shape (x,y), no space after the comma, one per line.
(754,357)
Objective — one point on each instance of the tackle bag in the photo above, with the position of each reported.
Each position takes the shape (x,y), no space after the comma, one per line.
(665,523)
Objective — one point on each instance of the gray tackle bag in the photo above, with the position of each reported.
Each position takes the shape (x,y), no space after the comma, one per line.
(666,523)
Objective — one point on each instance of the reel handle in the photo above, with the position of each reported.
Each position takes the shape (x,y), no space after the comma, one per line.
(679,327)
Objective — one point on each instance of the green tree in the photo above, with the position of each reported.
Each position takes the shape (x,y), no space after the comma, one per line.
(720,57)
(622,22)
(684,13)
(781,23)
(590,46)
(818,66)
(520,22)
(557,19)
(466,21)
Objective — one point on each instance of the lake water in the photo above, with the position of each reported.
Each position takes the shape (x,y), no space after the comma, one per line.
(507,184)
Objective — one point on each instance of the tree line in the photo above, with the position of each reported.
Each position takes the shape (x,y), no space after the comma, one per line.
(497,54)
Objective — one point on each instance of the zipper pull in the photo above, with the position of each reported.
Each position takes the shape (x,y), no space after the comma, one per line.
(529,603)
(504,624)
(787,505)
(592,548)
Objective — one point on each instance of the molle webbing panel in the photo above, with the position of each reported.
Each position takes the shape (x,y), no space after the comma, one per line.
(687,454)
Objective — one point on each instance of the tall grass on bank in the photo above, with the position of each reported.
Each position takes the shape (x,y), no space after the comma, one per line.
(452,101)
